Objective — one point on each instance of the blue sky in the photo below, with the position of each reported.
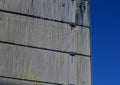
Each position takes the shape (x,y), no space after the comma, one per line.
(105,23)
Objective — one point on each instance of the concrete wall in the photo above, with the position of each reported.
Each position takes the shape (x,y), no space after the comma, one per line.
(44,65)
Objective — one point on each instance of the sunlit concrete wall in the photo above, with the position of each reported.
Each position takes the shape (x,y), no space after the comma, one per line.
(58,28)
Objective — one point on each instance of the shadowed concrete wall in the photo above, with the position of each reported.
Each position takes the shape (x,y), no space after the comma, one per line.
(45,65)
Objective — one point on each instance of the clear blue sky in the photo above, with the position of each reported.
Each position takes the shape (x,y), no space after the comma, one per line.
(105,23)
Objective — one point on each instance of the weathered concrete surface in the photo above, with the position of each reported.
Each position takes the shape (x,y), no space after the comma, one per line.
(29,63)
(55,9)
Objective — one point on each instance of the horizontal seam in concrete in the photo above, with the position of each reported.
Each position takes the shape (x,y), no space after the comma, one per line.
(43,18)
(41,48)
(36,81)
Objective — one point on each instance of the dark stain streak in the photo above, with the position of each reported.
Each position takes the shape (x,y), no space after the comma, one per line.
(72,1)
(63,4)
(1,16)
(31,7)
(32,3)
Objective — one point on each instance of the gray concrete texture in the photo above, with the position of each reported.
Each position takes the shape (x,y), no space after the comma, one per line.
(44,65)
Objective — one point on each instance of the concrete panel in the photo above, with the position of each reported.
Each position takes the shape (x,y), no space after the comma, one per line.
(83,70)
(42,33)
(22,62)
(55,9)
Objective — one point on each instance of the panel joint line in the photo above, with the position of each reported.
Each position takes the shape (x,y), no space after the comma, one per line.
(43,18)
(36,81)
(47,49)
